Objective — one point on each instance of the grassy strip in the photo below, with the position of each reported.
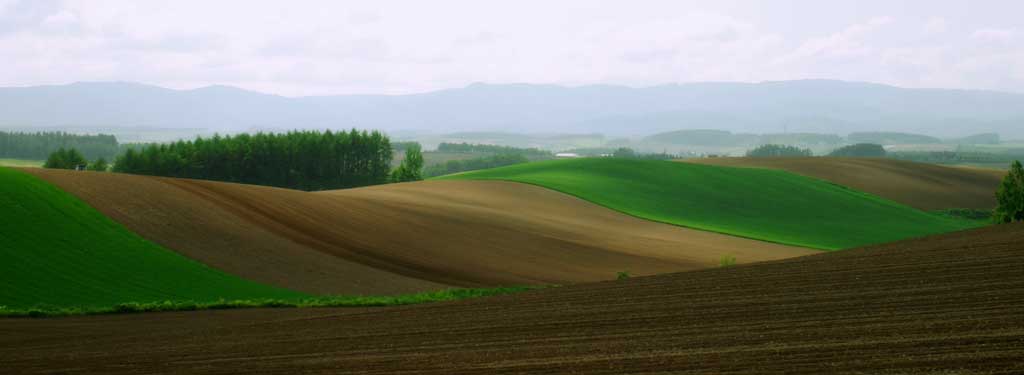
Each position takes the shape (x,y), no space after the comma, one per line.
(326,301)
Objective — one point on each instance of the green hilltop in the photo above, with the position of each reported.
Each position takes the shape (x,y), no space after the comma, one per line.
(762,204)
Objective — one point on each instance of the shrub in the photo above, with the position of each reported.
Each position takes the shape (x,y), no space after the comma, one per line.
(727,261)
(622,275)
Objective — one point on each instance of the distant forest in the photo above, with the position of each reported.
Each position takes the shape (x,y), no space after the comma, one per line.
(39,146)
(492,149)
(305,160)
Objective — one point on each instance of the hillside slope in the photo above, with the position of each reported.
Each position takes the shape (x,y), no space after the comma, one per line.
(401,238)
(949,304)
(756,203)
(57,251)
(919,185)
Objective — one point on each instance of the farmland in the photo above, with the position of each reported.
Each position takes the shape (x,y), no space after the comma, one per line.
(919,185)
(401,238)
(57,251)
(762,204)
(921,306)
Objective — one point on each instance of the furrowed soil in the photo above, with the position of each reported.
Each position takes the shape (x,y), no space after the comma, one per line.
(401,238)
(919,185)
(948,304)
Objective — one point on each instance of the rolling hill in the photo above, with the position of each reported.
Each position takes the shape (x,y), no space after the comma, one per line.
(762,204)
(56,251)
(400,238)
(919,185)
(949,304)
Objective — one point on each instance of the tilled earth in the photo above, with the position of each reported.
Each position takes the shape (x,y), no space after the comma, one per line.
(950,304)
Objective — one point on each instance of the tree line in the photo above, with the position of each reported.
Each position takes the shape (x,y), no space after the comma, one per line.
(492,149)
(304,160)
(39,145)
(456,166)
(771,150)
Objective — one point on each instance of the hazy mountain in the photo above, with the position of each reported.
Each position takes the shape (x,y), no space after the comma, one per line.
(770,107)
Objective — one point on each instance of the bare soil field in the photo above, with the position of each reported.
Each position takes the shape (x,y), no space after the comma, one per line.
(919,185)
(949,304)
(401,238)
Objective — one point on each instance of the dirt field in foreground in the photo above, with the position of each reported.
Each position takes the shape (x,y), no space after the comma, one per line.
(401,238)
(919,185)
(950,304)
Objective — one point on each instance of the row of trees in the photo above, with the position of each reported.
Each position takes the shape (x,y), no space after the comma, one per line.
(305,160)
(38,146)
(492,149)
(456,166)
(771,150)
(860,150)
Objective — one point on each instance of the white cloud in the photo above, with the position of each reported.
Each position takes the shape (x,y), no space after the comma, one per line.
(994,34)
(321,47)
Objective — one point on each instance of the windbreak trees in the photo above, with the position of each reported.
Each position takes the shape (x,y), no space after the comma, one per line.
(304,160)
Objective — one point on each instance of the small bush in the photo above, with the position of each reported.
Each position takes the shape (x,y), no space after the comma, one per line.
(727,261)
(622,275)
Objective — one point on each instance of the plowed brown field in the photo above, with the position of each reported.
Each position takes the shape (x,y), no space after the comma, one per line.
(950,304)
(924,186)
(402,237)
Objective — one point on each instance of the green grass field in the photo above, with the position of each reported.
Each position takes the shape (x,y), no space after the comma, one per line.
(57,252)
(20,163)
(762,204)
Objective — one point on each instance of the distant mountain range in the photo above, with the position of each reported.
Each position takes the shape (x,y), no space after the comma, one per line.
(819,106)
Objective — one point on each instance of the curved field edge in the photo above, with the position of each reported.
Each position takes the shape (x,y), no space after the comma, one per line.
(58,252)
(763,204)
(325,301)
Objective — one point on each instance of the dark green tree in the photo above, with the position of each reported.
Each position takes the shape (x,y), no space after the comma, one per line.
(411,168)
(1010,196)
(65,159)
(100,165)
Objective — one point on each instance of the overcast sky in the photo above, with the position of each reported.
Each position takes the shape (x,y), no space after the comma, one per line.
(337,47)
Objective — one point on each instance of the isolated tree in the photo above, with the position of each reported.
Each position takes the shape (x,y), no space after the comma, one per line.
(411,168)
(1010,196)
(100,165)
(65,159)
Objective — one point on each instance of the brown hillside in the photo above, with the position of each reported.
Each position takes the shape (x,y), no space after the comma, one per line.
(920,185)
(403,237)
(950,304)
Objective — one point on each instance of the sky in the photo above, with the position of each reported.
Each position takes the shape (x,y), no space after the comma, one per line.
(298,48)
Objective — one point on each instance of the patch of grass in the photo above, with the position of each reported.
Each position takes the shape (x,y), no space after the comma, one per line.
(20,163)
(622,275)
(326,301)
(769,205)
(59,252)
(727,261)
(967,213)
